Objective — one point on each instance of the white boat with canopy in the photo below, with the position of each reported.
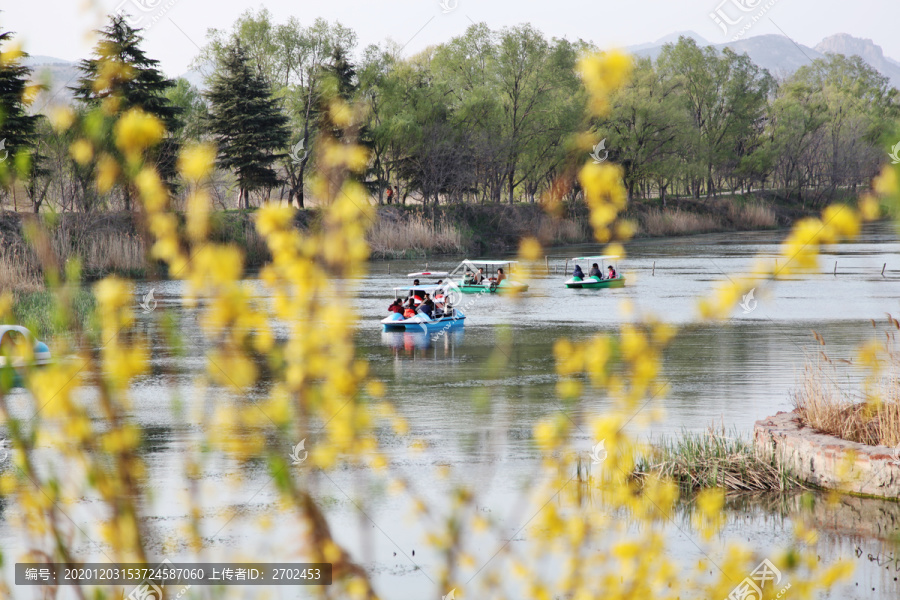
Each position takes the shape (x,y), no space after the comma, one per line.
(474,283)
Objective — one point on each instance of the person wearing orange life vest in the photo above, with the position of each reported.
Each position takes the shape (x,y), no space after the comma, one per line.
(410,310)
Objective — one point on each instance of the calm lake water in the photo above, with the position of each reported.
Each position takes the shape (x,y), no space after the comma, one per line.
(729,374)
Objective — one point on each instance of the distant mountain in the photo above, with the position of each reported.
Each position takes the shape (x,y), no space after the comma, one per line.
(781,56)
(669,39)
(55,73)
(866,49)
(40,60)
(58,75)
(777,53)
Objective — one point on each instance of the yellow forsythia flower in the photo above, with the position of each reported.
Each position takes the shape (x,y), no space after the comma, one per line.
(136,131)
(197,161)
(82,151)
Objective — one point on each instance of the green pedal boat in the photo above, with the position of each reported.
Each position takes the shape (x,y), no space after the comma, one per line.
(606,279)
(476,277)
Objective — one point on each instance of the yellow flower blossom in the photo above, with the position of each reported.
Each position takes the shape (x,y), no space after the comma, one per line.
(869,208)
(81,151)
(603,73)
(887,183)
(12,54)
(137,131)
(530,249)
(107,173)
(196,161)
(271,218)
(113,293)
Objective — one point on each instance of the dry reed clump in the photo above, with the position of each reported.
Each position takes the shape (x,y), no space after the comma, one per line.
(101,250)
(561,231)
(752,215)
(714,459)
(19,271)
(826,407)
(658,223)
(113,252)
(416,234)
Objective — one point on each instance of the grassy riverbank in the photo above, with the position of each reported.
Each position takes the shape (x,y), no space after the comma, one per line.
(116,242)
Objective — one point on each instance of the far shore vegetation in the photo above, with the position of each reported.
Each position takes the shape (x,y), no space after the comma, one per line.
(464,149)
(115,242)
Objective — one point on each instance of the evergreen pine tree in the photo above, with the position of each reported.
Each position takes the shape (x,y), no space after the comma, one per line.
(340,82)
(121,69)
(17,128)
(123,76)
(246,122)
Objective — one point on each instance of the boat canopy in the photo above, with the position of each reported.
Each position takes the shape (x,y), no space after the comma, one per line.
(17,328)
(430,274)
(599,257)
(474,264)
(428,289)
(489,262)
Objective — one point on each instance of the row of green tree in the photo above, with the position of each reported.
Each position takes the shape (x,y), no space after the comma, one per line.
(489,116)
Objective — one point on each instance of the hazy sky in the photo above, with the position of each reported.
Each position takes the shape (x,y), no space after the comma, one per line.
(57,27)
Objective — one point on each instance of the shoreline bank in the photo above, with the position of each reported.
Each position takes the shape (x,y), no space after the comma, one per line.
(827,461)
(116,243)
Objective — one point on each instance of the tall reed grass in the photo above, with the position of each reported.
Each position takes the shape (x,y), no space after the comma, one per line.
(752,215)
(100,250)
(868,416)
(562,231)
(414,235)
(659,223)
(108,251)
(19,271)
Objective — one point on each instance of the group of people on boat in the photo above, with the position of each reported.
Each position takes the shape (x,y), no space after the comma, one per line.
(595,272)
(420,301)
(479,277)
